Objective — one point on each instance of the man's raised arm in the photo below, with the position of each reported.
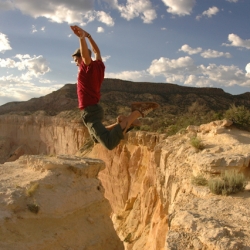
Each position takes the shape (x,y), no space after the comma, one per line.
(94,47)
(86,57)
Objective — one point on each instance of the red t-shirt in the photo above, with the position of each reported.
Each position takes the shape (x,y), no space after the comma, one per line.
(89,81)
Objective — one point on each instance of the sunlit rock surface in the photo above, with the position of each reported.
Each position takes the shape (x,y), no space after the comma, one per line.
(54,203)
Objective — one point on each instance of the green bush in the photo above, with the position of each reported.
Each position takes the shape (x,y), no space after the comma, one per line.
(199,180)
(196,143)
(240,115)
(230,182)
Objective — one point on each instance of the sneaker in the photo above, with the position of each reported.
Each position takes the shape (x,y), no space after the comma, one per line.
(144,107)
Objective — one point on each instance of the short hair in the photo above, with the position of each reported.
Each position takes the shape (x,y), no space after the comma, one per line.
(78,53)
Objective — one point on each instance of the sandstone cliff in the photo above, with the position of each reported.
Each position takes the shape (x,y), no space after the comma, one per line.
(147,180)
(54,203)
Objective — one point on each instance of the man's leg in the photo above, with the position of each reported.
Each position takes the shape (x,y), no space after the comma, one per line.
(119,119)
(92,117)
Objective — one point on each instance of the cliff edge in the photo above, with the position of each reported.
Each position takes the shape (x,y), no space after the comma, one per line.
(54,203)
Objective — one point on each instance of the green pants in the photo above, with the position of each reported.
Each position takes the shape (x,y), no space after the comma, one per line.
(92,117)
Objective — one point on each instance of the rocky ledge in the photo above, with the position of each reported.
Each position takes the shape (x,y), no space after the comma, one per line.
(54,203)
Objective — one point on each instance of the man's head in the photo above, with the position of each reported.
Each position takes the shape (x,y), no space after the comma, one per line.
(77,56)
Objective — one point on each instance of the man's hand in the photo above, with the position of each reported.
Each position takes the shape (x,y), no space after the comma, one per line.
(78,31)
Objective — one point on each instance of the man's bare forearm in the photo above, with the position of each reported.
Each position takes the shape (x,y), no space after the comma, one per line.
(94,47)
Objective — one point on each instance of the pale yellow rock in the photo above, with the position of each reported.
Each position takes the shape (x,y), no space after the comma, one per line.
(60,207)
(147,181)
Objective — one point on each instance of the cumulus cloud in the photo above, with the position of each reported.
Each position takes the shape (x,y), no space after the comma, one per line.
(100,30)
(100,16)
(179,7)
(19,90)
(184,71)
(214,54)
(57,10)
(236,41)
(139,8)
(77,11)
(33,67)
(4,43)
(248,70)
(191,51)
(130,75)
(21,86)
(209,13)
(173,70)
(205,54)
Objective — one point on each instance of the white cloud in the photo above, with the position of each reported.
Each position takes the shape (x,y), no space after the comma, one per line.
(104,18)
(35,66)
(12,88)
(179,7)
(232,1)
(205,54)
(236,41)
(77,11)
(100,30)
(4,43)
(214,54)
(101,16)
(57,10)
(248,70)
(130,75)
(184,71)
(7,63)
(34,30)
(139,8)
(104,58)
(191,51)
(168,66)
(209,13)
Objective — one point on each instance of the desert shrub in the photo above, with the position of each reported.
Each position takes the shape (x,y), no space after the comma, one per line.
(33,207)
(196,142)
(30,190)
(240,115)
(145,128)
(199,180)
(172,129)
(230,182)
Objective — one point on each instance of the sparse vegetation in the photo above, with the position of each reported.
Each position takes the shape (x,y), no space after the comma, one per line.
(196,143)
(199,180)
(240,115)
(32,189)
(128,237)
(230,182)
(33,207)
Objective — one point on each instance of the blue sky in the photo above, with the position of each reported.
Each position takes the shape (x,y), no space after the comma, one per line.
(198,43)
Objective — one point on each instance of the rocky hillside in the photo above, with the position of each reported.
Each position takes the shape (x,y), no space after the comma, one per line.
(118,93)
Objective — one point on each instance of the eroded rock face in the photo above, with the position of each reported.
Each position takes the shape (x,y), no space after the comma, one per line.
(39,134)
(54,203)
(147,181)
